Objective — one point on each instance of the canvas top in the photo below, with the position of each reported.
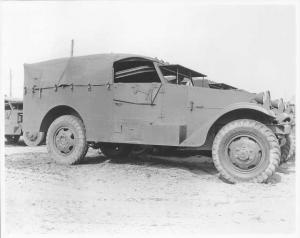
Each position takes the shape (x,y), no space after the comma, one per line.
(79,70)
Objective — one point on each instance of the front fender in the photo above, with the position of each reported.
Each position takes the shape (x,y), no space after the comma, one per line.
(199,136)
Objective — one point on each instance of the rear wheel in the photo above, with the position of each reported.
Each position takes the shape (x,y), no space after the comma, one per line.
(115,150)
(33,139)
(246,151)
(66,140)
(12,139)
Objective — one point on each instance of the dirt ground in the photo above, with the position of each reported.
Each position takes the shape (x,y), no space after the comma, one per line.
(147,195)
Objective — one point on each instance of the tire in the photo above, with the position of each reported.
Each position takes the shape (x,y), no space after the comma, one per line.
(12,139)
(285,150)
(115,150)
(246,151)
(33,139)
(66,140)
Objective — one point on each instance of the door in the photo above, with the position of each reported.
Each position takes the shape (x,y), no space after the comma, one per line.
(135,107)
(136,100)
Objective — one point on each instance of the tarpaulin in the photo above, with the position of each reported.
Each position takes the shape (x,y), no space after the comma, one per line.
(82,70)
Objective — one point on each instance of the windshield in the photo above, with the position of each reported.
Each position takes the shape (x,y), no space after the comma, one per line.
(178,74)
(175,78)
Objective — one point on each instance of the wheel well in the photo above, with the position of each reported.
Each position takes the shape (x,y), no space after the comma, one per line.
(55,113)
(235,115)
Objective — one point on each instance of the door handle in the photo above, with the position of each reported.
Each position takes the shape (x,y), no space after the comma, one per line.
(191,107)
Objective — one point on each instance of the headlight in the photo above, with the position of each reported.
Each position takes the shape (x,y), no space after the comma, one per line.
(275,103)
(278,104)
(259,98)
(264,98)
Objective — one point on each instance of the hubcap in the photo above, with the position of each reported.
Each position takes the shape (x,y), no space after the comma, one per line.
(65,140)
(244,152)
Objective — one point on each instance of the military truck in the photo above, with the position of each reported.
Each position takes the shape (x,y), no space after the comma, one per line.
(13,124)
(120,102)
(13,119)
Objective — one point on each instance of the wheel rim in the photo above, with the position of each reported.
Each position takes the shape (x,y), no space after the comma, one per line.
(244,153)
(64,140)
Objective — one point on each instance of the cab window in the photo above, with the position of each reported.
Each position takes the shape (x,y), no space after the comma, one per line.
(135,71)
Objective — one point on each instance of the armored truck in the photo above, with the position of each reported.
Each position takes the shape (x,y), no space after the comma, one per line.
(119,102)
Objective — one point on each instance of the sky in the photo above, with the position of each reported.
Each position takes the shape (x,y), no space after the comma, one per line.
(252,47)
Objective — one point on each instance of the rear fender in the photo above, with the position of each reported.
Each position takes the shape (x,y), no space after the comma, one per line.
(199,137)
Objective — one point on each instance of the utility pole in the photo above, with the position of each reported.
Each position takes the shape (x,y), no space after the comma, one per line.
(10,83)
(72,47)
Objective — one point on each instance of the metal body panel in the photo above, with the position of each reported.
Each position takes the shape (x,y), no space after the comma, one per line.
(206,103)
(198,137)
(94,107)
(175,104)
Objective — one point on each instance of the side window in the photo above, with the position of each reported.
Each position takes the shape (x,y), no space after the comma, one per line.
(135,71)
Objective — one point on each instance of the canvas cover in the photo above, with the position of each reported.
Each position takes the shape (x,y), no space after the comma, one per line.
(82,70)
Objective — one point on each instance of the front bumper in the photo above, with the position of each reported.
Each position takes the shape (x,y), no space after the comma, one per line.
(281,129)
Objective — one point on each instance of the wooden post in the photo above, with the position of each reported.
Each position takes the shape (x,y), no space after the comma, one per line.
(72,47)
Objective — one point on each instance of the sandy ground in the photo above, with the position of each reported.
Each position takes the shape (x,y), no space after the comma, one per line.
(148,195)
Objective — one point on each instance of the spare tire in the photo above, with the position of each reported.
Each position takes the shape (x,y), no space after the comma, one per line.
(33,139)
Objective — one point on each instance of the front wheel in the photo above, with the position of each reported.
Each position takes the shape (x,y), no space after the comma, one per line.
(66,140)
(246,151)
